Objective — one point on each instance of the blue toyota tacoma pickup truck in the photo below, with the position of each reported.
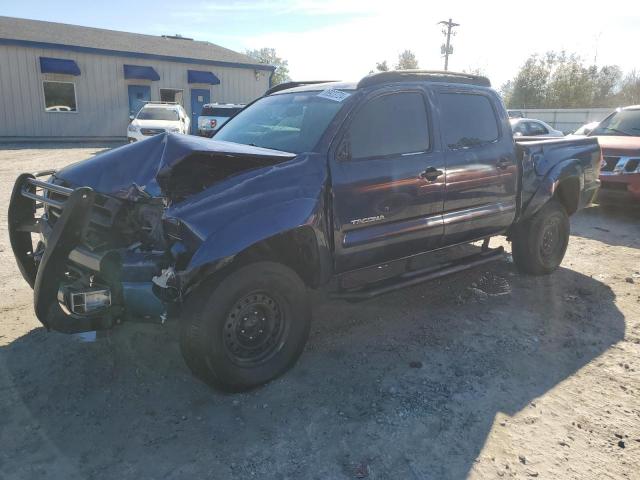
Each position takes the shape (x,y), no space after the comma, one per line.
(362,186)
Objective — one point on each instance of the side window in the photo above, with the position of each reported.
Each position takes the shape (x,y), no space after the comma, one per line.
(467,120)
(521,127)
(391,124)
(537,128)
(59,96)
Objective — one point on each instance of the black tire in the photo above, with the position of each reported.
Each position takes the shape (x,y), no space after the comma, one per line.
(247,328)
(540,242)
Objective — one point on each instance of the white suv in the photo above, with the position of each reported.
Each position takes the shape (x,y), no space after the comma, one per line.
(155,118)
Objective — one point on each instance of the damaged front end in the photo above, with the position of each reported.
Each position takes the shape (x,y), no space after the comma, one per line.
(97,248)
(93,258)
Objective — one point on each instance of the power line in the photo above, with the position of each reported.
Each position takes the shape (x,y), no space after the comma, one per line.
(447,49)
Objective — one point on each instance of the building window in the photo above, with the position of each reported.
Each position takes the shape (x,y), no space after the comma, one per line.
(171,95)
(59,96)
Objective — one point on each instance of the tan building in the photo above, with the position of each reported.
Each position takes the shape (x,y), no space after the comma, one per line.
(67,82)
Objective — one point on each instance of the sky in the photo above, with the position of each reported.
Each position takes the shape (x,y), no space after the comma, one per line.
(343,40)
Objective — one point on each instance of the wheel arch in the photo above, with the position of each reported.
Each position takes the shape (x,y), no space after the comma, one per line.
(304,249)
(565,182)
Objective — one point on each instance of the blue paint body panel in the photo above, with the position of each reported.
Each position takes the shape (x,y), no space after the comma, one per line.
(360,213)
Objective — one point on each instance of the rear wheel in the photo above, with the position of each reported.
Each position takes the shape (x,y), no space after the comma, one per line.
(248,328)
(540,242)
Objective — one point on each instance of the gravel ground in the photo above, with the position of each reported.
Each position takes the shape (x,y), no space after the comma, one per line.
(484,374)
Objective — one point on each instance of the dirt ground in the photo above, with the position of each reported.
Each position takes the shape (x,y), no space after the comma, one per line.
(485,374)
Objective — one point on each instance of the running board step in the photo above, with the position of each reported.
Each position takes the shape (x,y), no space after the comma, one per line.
(419,276)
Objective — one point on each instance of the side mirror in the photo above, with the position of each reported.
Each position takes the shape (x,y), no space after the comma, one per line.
(344,150)
(131,117)
(517,134)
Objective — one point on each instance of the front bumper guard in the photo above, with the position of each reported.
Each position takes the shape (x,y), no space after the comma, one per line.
(45,277)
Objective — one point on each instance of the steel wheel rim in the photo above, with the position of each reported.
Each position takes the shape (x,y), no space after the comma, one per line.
(550,238)
(254,329)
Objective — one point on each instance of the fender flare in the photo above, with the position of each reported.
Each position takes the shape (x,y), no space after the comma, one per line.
(570,168)
(222,246)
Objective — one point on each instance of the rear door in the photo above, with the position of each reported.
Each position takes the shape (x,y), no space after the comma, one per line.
(480,198)
(388,180)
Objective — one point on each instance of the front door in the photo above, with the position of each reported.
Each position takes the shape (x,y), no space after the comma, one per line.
(481,166)
(388,189)
(138,95)
(199,97)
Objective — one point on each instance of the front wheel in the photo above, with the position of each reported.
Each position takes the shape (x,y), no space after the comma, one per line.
(248,328)
(540,242)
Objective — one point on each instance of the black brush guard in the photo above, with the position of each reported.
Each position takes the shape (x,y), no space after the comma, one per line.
(45,276)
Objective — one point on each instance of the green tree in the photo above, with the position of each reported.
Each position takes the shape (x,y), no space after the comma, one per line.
(571,84)
(606,83)
(561,80)
(529,87)
(268,56)
(382,66)
(506,92)
(474,71)
(406,61)
(629,93)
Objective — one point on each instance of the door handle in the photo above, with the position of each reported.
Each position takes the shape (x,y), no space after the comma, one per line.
(431,174)
(503,163)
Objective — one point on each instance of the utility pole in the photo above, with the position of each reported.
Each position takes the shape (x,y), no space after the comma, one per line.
(447,49)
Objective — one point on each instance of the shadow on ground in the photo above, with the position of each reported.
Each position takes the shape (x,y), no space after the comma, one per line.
(614,226)
(404,386)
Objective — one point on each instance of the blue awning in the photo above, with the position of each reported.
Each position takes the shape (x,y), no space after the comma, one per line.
(59,65)
(197,76)
(140,72)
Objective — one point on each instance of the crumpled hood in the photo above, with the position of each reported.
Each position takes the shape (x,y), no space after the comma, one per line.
(148,165)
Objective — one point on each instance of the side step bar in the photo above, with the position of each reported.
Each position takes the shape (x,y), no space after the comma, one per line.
(423,275)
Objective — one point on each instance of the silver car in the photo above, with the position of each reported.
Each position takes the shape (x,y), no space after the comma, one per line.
(214,115)
(530,127)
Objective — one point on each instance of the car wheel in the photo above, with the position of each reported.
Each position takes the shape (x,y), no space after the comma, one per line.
(247,328)
(540,242)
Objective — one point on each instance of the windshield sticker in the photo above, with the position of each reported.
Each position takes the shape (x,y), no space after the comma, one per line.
(332,94)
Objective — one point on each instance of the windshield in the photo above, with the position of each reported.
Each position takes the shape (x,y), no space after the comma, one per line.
(291,122)
(624,122)
(158,114)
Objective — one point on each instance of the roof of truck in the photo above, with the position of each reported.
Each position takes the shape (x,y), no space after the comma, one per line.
(381,78)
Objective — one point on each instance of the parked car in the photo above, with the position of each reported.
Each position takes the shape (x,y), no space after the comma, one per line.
(529,127)
(59,108)
(585,129)
(361,183)
(619,137)
(158,117)
(515,114)
(214,115)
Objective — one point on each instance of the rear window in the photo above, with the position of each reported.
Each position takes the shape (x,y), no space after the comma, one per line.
(155,113)
(468,120)
(219,112)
